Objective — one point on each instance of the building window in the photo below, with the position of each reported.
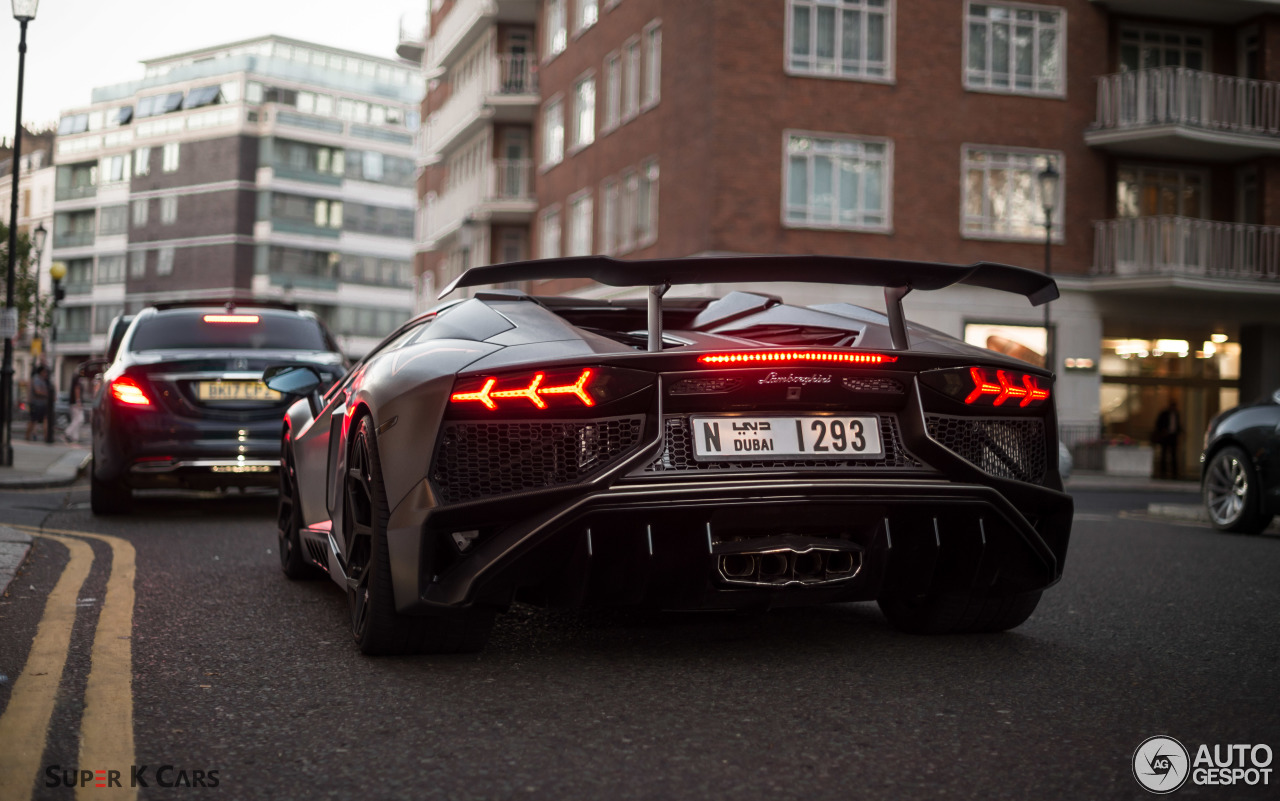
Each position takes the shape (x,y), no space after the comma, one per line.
(580,221)
(1144,191)
(584,111)
(328,214)
(609,217)
(140,208)
(110,269)
(1144,48)
(549,234)
(164,261)
(553,133)
(557,35)
(630,79)
(142,161)
(1002,194)
(652,65)
(588,13)
(841,38)
(138,264)
(837,182)
(168,209)
(646,222)
(612,91)
(113,169)
(113,220)
(169,159)
(1015,48)
(627,211)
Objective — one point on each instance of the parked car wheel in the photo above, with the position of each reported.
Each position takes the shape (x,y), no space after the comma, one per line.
(1233,494)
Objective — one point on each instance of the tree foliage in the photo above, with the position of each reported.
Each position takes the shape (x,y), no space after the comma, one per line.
(34,311)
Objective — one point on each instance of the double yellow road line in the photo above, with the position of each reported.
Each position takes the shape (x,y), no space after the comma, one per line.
(106,729)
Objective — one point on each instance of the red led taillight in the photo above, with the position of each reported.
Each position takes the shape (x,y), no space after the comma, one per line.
(780,356)
(126,391)
(231,318)
(1007,385)
(531,391)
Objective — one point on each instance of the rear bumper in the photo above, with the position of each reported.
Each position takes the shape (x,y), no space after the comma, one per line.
(660,543)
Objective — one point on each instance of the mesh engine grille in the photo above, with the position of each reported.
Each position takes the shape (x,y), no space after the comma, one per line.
(1000,446)
(678,453)
(483,459)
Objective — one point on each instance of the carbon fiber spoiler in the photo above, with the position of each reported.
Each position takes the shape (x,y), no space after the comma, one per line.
(898,277)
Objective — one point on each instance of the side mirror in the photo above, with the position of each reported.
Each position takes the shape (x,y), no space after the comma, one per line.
(292,379)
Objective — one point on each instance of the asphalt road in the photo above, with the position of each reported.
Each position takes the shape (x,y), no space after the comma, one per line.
(1157,629)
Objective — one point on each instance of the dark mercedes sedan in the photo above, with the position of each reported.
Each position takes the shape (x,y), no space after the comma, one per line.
(183,404)
(1240,467)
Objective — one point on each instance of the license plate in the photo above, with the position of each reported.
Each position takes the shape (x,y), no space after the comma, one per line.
(235,391)
(764,438)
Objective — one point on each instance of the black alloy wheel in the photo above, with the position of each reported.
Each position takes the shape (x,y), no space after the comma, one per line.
(360,515)
(293,561)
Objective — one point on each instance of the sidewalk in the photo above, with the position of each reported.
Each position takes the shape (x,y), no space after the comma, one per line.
(37,464)
(1101,482)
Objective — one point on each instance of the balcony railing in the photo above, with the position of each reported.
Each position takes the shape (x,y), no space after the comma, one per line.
(1179,96)
(1183,246)
(502,181)
(505,75)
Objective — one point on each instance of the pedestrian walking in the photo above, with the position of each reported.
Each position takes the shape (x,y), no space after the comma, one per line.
(76,399)
(1168,429)
(38,400)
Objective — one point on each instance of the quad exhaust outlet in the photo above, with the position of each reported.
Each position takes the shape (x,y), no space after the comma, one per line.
(786,561)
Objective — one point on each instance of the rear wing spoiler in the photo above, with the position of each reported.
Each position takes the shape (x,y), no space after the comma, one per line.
(898,277)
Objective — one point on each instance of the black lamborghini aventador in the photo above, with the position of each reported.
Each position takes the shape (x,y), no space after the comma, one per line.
(724,453)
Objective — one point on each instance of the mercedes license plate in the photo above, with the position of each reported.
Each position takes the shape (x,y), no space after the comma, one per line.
(718,439)
(235,391)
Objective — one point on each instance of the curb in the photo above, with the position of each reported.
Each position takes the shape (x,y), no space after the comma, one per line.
(14,545)
(65,471)
(1191,513)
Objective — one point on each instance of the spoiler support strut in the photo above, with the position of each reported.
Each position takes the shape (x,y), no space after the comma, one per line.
(893,296)
(655,316)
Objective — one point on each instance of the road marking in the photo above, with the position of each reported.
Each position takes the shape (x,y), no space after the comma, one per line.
(106,728)
(24,727)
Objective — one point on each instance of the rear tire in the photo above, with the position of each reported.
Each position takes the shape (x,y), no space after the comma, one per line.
(293,561)
(109,497)
(376,626)
(1233,494)
(950,614)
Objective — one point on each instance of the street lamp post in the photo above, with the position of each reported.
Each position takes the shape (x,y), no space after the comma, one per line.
(57,271)
(23,11)
(1048,178)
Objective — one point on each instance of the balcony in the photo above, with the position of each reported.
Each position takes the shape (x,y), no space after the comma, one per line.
(1227,12)
(506,90)
(75,192)
(467,21)
(1186,252)
(502,192)
(1177,113)
(413,38)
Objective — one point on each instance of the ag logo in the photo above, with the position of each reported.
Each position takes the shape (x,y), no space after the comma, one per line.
(1161,765)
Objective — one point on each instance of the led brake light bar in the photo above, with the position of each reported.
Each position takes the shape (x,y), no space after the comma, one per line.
(775,357)
(231,318)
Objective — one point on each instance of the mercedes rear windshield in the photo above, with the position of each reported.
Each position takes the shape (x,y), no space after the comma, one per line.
(248,330)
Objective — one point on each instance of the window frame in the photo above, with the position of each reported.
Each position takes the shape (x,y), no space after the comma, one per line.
(1060,93)
(547,214)
(576,202)
(167,165)
(887,186)
(1058,158)
(556,39)
(168,209)
(546,161)
(631,75)
(578,142)
(610,198)
(580,22)
(612,92)
(890,51)
(651,81)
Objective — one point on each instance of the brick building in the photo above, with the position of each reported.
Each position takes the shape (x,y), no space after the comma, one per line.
(268,168)
(911,129)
